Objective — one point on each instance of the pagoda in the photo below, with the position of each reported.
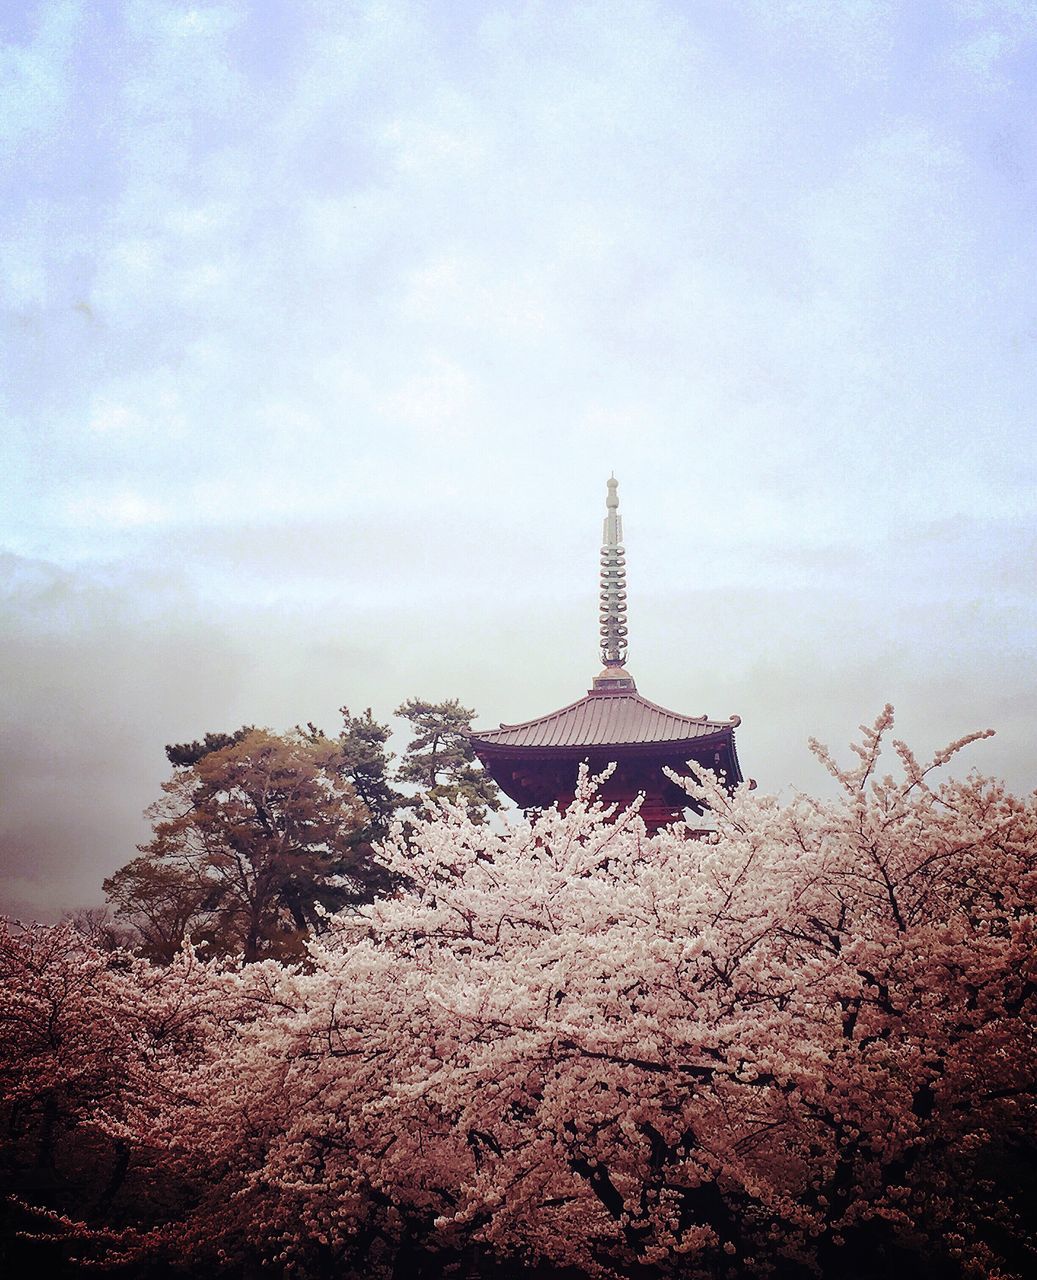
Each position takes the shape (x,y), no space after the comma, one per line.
(537,762)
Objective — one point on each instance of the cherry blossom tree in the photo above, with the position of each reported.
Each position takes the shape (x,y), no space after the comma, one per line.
(86,1036)
(802,1044)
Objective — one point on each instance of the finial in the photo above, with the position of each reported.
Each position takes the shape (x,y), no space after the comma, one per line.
(613,596)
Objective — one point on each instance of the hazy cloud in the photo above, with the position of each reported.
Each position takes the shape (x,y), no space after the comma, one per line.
(322,328)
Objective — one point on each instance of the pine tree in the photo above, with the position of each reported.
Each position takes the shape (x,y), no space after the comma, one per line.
(440,761)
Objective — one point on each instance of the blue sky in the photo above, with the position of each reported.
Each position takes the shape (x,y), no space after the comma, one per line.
(325,323)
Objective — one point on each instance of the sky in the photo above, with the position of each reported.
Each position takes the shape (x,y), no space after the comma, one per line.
(324,324)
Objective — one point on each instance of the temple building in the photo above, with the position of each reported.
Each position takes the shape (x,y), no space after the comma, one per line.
(536,763)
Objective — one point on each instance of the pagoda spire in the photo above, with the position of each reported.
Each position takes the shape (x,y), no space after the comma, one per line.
(638,748)
(613,597)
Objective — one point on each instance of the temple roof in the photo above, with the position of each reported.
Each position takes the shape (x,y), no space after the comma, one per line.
(605,718)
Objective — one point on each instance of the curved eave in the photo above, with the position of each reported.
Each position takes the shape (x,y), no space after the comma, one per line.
(665,746)
(603,719)
(676,753)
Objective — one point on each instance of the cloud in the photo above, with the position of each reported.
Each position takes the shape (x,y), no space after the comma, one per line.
(123,510)
(35,74)
(322,330)
(856,37)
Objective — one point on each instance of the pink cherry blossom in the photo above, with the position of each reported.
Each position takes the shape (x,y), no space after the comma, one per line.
(804,1040)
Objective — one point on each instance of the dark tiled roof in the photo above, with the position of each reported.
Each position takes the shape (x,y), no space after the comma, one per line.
(604,719)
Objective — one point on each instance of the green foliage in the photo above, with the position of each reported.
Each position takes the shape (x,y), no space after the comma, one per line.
(188,753)
(439,759)
(252,841)
(362,742)
(365,762)
(258,834)
(165,903)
